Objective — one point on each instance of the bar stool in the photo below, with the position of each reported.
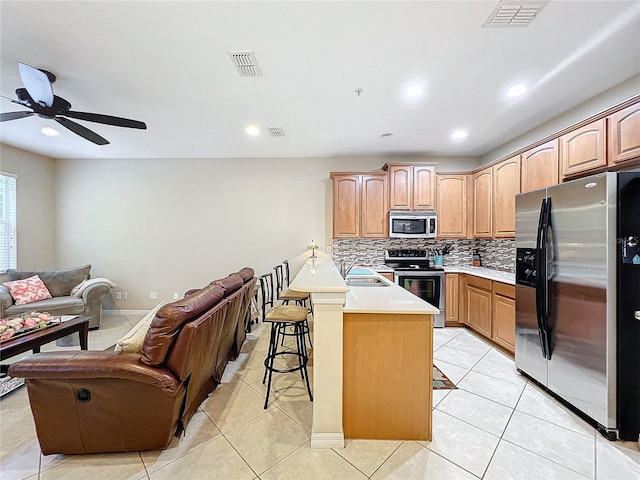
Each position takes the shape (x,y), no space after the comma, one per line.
(287,295)
(281,317)
(287,283)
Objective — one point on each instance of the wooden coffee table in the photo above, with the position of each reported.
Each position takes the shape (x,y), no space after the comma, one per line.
(34,340)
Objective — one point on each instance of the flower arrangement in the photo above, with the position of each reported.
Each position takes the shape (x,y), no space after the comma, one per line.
(11,327)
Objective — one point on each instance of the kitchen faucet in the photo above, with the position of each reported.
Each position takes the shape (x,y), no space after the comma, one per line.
(344,272)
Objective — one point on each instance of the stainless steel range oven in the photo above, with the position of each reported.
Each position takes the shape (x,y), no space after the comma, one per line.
(413,273)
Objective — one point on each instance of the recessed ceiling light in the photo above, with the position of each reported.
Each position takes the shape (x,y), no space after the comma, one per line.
(459,134)
(516,90)
(413,91)
(50,132)
(252,130)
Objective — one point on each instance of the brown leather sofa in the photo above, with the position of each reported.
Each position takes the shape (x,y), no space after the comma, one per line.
(103,401)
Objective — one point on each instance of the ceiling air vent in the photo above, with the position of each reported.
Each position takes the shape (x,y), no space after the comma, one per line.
(246,64)
(275,131)
(514,13)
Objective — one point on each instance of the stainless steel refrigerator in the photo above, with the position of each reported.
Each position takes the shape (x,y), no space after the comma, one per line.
(578,296)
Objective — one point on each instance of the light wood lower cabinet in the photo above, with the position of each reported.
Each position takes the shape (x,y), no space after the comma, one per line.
(489,309)
(451,298)
(387,275)
(479,305)
(503,328)
(388,375)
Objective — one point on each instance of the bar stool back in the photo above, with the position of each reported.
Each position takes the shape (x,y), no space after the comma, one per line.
(281,317)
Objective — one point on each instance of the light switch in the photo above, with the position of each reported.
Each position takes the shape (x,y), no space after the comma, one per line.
(153,295)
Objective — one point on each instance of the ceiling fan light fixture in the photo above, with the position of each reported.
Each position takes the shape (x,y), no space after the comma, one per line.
(49,132)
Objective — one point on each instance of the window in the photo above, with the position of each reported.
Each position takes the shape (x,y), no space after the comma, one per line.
(7,221)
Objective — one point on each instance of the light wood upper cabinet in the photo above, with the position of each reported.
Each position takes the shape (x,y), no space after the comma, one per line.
(583,149)
(346,206)
(453,205)
(624,134)
(360,205)
(506,184)
(374,206)
(401,187)
(424,187)
(482,200)
(539,167)
(411,187)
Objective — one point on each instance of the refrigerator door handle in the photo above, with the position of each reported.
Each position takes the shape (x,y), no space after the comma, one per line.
(546,330)
(541,277)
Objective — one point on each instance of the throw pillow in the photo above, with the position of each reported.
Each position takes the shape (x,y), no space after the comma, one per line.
(90,282)
(59,281)
(28,290)
(133,340)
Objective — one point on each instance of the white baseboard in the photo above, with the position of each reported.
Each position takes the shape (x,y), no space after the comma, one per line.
(125,312)
(327,440)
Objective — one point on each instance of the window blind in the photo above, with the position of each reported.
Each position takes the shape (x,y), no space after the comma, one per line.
(7,221)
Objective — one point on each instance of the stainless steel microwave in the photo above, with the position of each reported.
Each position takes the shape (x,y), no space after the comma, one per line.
(413,224)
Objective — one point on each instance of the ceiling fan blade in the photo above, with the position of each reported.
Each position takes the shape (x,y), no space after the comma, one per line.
(106,119)
(4,117)
(37,84)
(82,131)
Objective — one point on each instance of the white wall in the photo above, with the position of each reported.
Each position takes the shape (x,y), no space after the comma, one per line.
(169,225)
(35,202)
(605,100)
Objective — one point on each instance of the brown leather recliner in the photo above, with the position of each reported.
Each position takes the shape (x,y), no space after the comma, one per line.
(102,401)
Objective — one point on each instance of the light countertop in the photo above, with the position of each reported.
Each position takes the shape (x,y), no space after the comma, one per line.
(488,273)
(319,275)
(322,276)
(390,299)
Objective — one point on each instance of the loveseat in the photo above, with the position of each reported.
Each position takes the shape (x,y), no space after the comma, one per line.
(60,282)
(104,401)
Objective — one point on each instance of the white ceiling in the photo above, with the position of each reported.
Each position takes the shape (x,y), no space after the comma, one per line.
(167,64)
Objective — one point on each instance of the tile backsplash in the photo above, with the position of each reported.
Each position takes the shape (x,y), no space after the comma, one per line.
(494,253)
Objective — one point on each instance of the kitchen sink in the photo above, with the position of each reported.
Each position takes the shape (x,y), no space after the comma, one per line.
(366,282)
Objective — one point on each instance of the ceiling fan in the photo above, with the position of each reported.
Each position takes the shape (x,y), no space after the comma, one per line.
(38,96)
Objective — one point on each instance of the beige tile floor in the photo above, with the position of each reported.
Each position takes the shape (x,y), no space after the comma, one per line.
(495,426)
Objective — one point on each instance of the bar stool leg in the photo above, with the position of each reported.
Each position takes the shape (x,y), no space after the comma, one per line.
(268,362)
(302,348)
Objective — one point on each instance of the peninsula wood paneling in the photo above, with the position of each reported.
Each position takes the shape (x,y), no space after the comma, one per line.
(381,400)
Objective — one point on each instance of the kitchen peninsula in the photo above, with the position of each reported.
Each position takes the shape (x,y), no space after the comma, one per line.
(373,355)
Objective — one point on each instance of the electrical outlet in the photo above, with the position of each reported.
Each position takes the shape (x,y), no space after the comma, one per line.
(153,295)
(176,296)
(124,295)
(118,295)
(328,249)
